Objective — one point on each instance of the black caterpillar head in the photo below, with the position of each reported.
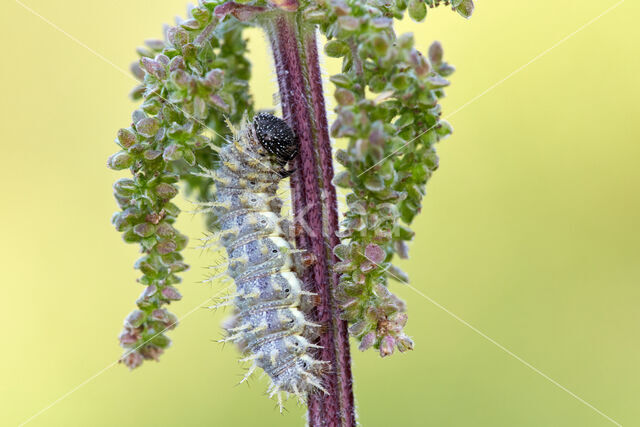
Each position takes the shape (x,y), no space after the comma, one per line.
(276,136)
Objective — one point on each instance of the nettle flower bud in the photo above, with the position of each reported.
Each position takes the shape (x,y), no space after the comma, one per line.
(132,359)
(148,127)
(166,246)
(135,319)
(171,293)
(153,68)
(177,36)
(387,344)
(120,160)
(367,341)
(124,187)
(166,191)
(404,343)
(172,152)
(214,78)
(128,338)
(144,229)
(126,137)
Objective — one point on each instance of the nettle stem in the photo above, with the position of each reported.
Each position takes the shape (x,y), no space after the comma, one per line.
(315,206)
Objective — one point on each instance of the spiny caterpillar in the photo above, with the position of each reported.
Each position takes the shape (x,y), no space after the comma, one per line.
(269,325)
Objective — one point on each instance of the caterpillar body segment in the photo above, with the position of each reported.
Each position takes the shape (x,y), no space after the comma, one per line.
(268,324)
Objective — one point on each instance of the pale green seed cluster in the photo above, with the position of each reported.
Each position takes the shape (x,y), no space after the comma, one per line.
(190,81)
(387,109)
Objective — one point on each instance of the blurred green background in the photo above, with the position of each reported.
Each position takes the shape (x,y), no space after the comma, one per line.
(530,231)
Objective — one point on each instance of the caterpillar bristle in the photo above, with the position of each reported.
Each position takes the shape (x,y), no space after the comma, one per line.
(250,372)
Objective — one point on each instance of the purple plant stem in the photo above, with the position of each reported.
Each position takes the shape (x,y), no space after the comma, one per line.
(315,206)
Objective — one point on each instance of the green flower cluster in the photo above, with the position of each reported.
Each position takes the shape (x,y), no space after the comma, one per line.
(189,82)
(387,108)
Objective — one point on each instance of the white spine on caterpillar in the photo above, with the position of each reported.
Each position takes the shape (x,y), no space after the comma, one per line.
(268,325)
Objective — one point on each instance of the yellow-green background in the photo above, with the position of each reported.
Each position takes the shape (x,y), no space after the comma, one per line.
(530,231)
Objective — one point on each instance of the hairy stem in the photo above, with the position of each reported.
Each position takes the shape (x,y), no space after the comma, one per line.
(315,206)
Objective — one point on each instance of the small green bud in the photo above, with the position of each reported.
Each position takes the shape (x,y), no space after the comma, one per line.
(405,41)
(146,267)
(377,84)
(404,343)
(336,48)
(124,187)
(126,138)
(342,157)
(374,182)
(466,8)
(181,241)
(135,318)
(148,127)
(154,44)
(177,36)
(172,209)
(436,82)
(130,237)
(417,10)
(387,344)
(400,81)
(165,229)
(128,338)
(144,52)
(199,108)
(190,53)
(189,156)
(436,52)
(444,129)
(380,44)
(132,359)
(161,341)
(153,67)
(177,63)
(344,96)
(172,152)
(341,80)
(218,102)
(343,179)
(177,267)
(381,23)
(396,273)
(151,106)
(144,229)
(315,16)
(166,191)
(348,23)
(191,24)
(137,92)
(214,78)
(171,293)
(359,327)
(166,247)
(137,72)
(162,59)
(120,160)
(367,341)
(180,78)
(374,253)
(201,14)
(342,252)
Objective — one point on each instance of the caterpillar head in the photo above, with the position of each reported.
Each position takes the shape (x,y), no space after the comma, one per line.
(276,136)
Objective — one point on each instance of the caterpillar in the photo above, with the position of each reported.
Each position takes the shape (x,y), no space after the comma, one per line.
(269,324)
